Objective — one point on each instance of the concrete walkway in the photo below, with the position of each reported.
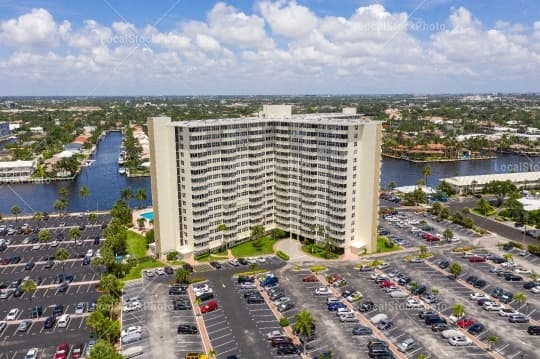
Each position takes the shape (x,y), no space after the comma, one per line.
(292,248)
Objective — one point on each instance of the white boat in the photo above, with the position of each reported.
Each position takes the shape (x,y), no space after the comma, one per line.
(121,160)
(122,171)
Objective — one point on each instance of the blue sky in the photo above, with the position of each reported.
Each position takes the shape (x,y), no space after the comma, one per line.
(263,46)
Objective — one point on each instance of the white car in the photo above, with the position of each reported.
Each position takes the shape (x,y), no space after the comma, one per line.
(79,309)
(53,244)
(203,288)
(322,291)
(398,294)
(63,321)
(261,259)
(522,271)
(251,260)
(450,333)
(459,341)
(415,230)
(131,306)
(32,354)
(90,253)
(414,304)
(234,262)
(160,271)
(383,266)
(413,221)
(36,246)
(12,314)
(492,306)
(506,312)
(477,296)
(132,329)
(281,300)
(536,289)
(454,239)
(274,333)
(149,273)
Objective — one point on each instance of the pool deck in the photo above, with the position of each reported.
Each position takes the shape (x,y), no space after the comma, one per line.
(137,213)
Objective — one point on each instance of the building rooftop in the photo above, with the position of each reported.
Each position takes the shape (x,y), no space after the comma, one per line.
(321,118)
(483,179)
(16,164)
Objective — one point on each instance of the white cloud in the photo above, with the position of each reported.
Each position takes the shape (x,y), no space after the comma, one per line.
(34,29)
(282,46)
(287,18)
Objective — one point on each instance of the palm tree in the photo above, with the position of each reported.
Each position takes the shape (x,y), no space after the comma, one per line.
(509,257)
(392,185)
(304,323)
(458,310)
(38,216)
(491,341)
(62,254)
(84,192)
(455,269)
(44,235)
(63,192)
(423,251)
(74,233)
(222,228)
(92,218)
(426,172)
(29,286)
(60,205)
(448,234)
(126,195)
(141,196)
(182,276)
(520,297)
(534,276)
(15,210)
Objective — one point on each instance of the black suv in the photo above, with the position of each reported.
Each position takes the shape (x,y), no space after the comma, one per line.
(255,299)
(178,290)
(186,329)
(287,349)
(36,311)
(49,322)
(206,296)
(366,306)
(58,309)
(245,279)
(534,330)
(480,283)
(242,261)
(471,279)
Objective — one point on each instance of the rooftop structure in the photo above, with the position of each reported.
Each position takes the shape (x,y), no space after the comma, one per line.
(16,171)
(463,184)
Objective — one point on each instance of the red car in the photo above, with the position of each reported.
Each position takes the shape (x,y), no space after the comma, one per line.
(386,284)
(465,322)
(62,351)
(333,278)
(476,259)
(310,278)
(209,307)
(4,261)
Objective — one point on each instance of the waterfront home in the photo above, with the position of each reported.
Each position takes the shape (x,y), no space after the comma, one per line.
(16,171)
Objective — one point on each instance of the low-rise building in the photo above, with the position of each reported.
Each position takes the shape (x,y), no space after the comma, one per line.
(16,171)
(475,184)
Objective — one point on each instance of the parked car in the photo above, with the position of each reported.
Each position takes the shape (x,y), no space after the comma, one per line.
(361,330)
(407,345)
(476,328)
(209,307)
(62,351)
(459,341)
(187,329)
(322,291)
(518,318)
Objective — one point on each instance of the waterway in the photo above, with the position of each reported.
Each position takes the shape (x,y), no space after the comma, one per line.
(105,183)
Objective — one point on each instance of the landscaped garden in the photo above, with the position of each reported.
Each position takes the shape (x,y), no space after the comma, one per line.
(264,245)
(385,245)
(319,251)
(136,244)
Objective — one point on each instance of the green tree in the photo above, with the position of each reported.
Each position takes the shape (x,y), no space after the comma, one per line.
(491,341)
(392,185)
(448,234)
(304,323)
(446,188)
(436,208)
(458,310)
(84,192)
(104,350)
(74,233)
(60,205)
(38,216)
(106,303)
(257,232)
(423,251)
(111,285)
(484,208)
(15,210)
(141,196)
(140,222)
(62,255)
(182,276)
(92,218)
(126,195)
(500,189)
(445,213)
(29,287)
(509,257)
(455,269)
(121,212)
(44,235)
(63,192)
(520,297)
(426,172)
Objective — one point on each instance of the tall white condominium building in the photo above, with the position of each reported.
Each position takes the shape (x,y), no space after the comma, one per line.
(315,176)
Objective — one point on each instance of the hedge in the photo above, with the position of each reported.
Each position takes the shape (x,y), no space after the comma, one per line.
(316,269)
(283,255)
(197,280)
(253,272)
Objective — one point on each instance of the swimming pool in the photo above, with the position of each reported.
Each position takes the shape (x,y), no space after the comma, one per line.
(148,215)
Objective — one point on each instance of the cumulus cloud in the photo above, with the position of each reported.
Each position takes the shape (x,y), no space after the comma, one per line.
(281,46)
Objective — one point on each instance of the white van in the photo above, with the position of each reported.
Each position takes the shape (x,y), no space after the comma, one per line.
(63,321)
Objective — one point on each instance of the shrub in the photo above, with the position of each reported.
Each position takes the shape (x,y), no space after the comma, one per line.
(516,245)
(197,280)
(171,256)
(284,322)
(283,255)
(316,269)
(201,256)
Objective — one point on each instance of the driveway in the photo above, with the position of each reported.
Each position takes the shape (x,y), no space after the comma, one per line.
(292,248)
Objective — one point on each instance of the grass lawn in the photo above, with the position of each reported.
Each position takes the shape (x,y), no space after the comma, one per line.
(136,244)
(318,251)
(248,250)
(382,248)
(212,257)
(135,272)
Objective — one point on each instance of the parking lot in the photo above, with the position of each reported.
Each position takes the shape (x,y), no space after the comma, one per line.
(81,289)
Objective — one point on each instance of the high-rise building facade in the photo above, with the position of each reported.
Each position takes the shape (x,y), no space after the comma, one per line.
(316,176)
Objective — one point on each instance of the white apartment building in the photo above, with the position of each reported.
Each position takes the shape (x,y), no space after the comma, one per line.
(313,175)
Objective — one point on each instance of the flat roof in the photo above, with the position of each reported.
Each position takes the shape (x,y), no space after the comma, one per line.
(322,118)
(530,203)
(16,164)
(483,179)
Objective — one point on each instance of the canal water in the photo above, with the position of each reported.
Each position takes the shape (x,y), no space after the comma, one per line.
(105,183)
